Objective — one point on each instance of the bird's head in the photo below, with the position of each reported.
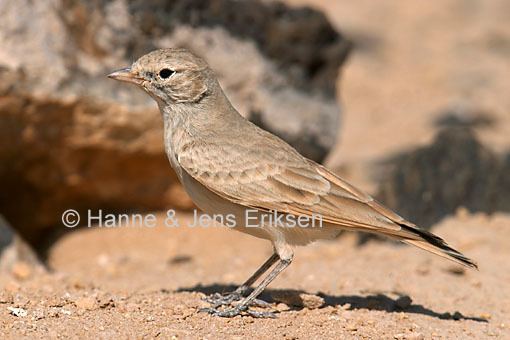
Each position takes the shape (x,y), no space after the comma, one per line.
(170,76)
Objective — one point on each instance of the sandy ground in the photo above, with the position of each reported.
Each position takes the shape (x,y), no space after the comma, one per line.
(416,59)
(145,283)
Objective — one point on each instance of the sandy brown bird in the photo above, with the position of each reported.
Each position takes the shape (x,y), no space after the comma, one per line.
(230,166)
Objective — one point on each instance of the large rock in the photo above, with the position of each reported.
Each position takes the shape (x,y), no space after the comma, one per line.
(70,138)
(456,170)
(16,257)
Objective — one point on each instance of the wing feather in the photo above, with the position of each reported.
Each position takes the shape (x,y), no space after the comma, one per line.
(282,180)
(289,184)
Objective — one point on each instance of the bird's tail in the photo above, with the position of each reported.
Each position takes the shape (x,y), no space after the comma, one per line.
(434,244)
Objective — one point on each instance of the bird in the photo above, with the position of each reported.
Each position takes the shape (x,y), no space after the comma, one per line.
(228,165)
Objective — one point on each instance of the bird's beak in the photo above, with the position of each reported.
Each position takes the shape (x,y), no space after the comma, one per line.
(126,75)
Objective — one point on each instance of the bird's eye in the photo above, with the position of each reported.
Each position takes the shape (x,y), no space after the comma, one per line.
(166,73)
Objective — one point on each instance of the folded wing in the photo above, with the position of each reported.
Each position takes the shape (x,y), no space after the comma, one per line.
(286,182)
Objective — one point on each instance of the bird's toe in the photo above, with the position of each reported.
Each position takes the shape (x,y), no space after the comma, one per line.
(217,299)
(238,310)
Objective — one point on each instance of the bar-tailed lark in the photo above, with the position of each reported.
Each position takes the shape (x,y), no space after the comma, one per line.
(229,166)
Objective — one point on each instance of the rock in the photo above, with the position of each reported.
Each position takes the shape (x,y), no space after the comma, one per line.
(87,303)
(16,256)
(409,336)
(72,139)
(456,270)
(403,302)
(19,312)
(457,316)
(486,316)
(352,327)
(179,259)
(297,299)
(311,301)
(282,307)
(464,115)
(456,170)
(21,270)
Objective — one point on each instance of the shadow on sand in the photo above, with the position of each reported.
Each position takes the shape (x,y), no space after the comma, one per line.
(379,302)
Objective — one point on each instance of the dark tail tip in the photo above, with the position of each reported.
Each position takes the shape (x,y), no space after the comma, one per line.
(439,243)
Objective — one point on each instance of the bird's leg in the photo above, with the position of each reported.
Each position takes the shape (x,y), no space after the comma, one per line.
(245,303)
(218,299)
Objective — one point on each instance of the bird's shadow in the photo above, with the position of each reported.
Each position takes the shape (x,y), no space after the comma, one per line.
(378,301)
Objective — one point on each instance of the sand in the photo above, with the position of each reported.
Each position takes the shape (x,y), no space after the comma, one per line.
(414,61)
(146,283)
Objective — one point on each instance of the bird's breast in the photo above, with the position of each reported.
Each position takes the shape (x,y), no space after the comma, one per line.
(172,139)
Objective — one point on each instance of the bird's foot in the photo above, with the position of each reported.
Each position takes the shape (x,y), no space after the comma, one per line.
(237,310)
(216,300)
(261,314)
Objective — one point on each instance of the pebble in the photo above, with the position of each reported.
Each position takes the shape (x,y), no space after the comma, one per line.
(462,213)
(87,303)
(38,314)
(403,302)
(19,312)
(291,298)
(351,327)
(282,307)
(346,306)
(21,270)
(486,316)
(423,269)
(456,270)
(457,316)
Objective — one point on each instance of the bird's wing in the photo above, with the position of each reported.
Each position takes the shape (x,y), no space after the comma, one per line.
(270,175)
(279,179)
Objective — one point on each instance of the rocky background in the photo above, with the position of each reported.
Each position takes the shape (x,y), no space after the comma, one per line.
(424,126)
(71,138)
